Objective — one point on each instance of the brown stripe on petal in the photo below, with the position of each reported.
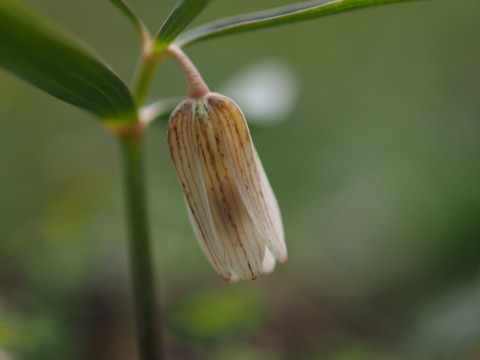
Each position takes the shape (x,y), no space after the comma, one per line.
(227,119)
(248,172)
(209,188)
(199,184)
(229,199)
(217,202)
(231,219)
(185,157)
(253,239)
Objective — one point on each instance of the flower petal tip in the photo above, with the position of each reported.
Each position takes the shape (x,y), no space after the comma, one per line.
(283,259)
(231,278)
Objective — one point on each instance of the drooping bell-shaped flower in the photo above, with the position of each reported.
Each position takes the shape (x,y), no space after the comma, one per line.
(229,199)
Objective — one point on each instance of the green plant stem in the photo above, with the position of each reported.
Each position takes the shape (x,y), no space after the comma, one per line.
(147,313)
(145,75)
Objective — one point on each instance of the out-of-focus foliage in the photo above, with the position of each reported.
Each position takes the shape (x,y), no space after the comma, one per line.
(376,171)
(216,315)
(35,50)
(130,14)
(181,16)
(277,16)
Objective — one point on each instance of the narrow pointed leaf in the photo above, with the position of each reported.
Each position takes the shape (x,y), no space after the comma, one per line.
(278,16)
(125,8)
(35,50)
(178,19)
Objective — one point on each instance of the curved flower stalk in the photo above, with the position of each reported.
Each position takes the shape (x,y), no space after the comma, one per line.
(229,199)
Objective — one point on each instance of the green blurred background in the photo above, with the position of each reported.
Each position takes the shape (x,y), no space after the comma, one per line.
(376,170)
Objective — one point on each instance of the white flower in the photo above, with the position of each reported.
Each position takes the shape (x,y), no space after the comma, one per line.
(231,204)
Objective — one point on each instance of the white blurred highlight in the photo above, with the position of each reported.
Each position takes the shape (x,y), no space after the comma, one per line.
(266,91)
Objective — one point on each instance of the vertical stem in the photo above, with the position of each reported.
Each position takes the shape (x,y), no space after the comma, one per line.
(147,313)
(144,78)
(148,64)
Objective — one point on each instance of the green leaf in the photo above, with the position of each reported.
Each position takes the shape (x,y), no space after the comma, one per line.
(35,50)
(125,8)
(278,16)
(178,19)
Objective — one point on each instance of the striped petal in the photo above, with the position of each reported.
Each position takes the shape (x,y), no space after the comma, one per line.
(228,196)
(184,153)
(248,172)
